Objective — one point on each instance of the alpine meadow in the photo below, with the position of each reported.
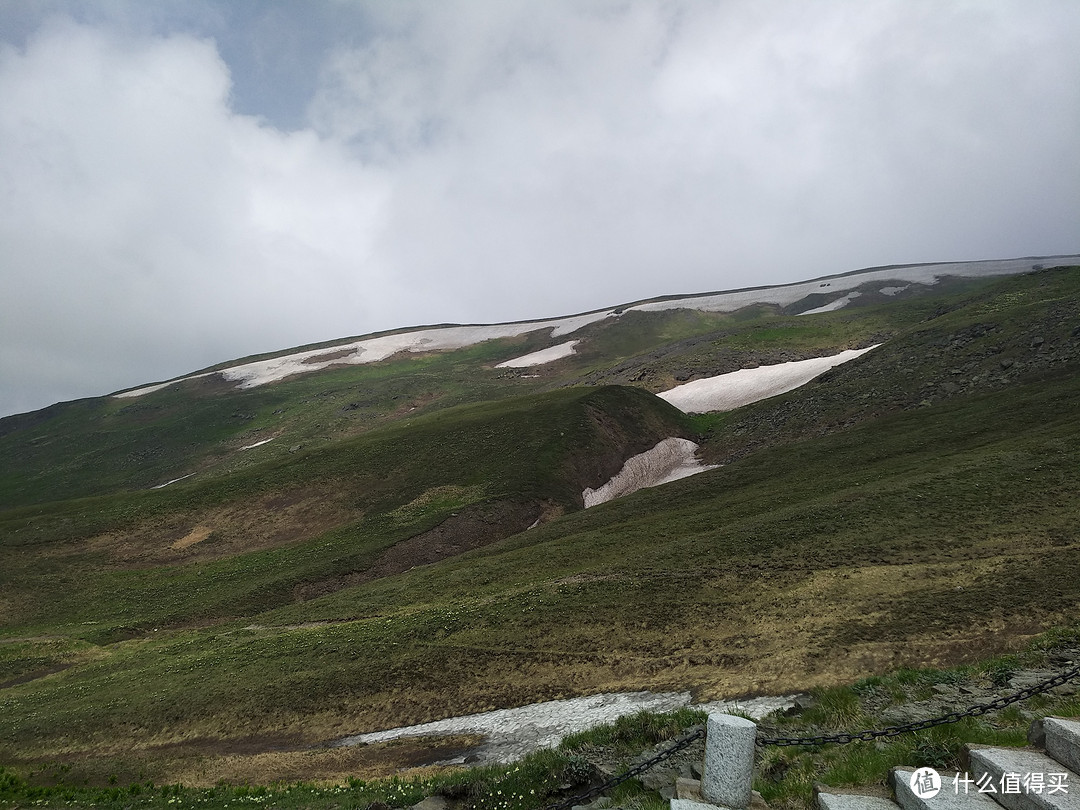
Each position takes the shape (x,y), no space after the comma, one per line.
(207,584)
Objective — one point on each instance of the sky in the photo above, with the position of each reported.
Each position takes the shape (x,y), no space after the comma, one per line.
(186,182)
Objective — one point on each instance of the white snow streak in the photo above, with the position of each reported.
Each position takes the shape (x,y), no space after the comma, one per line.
(149,389)
(729,391)
(548,355)
(833,305)
(181,478)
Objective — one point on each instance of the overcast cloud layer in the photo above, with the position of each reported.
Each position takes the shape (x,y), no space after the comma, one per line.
(184,183)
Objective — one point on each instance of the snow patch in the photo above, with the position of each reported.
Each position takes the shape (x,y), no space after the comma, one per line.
(514,733)
(893,290)
(258,444)
(669,460)
(548,355)
(138,392)
(834,305)
(729,391)
(181,478)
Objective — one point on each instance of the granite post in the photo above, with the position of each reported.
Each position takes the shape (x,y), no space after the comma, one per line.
(729,761)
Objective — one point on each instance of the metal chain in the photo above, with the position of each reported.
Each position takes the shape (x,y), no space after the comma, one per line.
(919,725)
(637,770)
(866,736)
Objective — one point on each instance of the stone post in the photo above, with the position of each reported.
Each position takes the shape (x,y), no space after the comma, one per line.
(729,761)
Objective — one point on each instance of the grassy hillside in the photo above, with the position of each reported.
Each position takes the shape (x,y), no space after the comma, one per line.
(202,426)
(318,520)
(877,518)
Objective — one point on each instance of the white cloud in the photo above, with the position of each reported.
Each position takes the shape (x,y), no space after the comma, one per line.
(614,150)
(511,160)
(143,224)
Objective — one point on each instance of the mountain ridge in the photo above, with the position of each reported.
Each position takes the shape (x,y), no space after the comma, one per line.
(963,269)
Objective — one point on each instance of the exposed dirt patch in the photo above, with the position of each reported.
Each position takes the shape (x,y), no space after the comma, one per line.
(415,403)
(196,535)
(33,676)
(210,383)
(329,356)
(616,438)
(325,764)
(267,522)
(204,762)
(473,527)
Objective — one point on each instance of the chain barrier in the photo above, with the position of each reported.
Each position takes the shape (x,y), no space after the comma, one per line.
(637,770)
(869,735)
(952,717)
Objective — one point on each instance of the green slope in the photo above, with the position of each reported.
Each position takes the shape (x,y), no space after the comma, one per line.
(937,535)
(106,566)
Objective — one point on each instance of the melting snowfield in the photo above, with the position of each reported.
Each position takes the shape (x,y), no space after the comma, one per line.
(669,460)
(729,391)
(514,733)
(788,294)
(549,355)
(370,350)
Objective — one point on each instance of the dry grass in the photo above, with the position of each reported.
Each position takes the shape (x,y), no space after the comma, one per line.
(266,522)
(196,535)
(418,756)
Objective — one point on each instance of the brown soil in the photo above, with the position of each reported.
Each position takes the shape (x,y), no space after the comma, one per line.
(33,676)
(196,535)
(324,764)
(325,358)
(205,762)
(473,527)
(267,522)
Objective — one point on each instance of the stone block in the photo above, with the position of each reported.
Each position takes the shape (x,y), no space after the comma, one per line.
(729,761)
(690,804)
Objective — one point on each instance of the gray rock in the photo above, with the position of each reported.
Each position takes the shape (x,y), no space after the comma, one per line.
(1024,678)
(688,789)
